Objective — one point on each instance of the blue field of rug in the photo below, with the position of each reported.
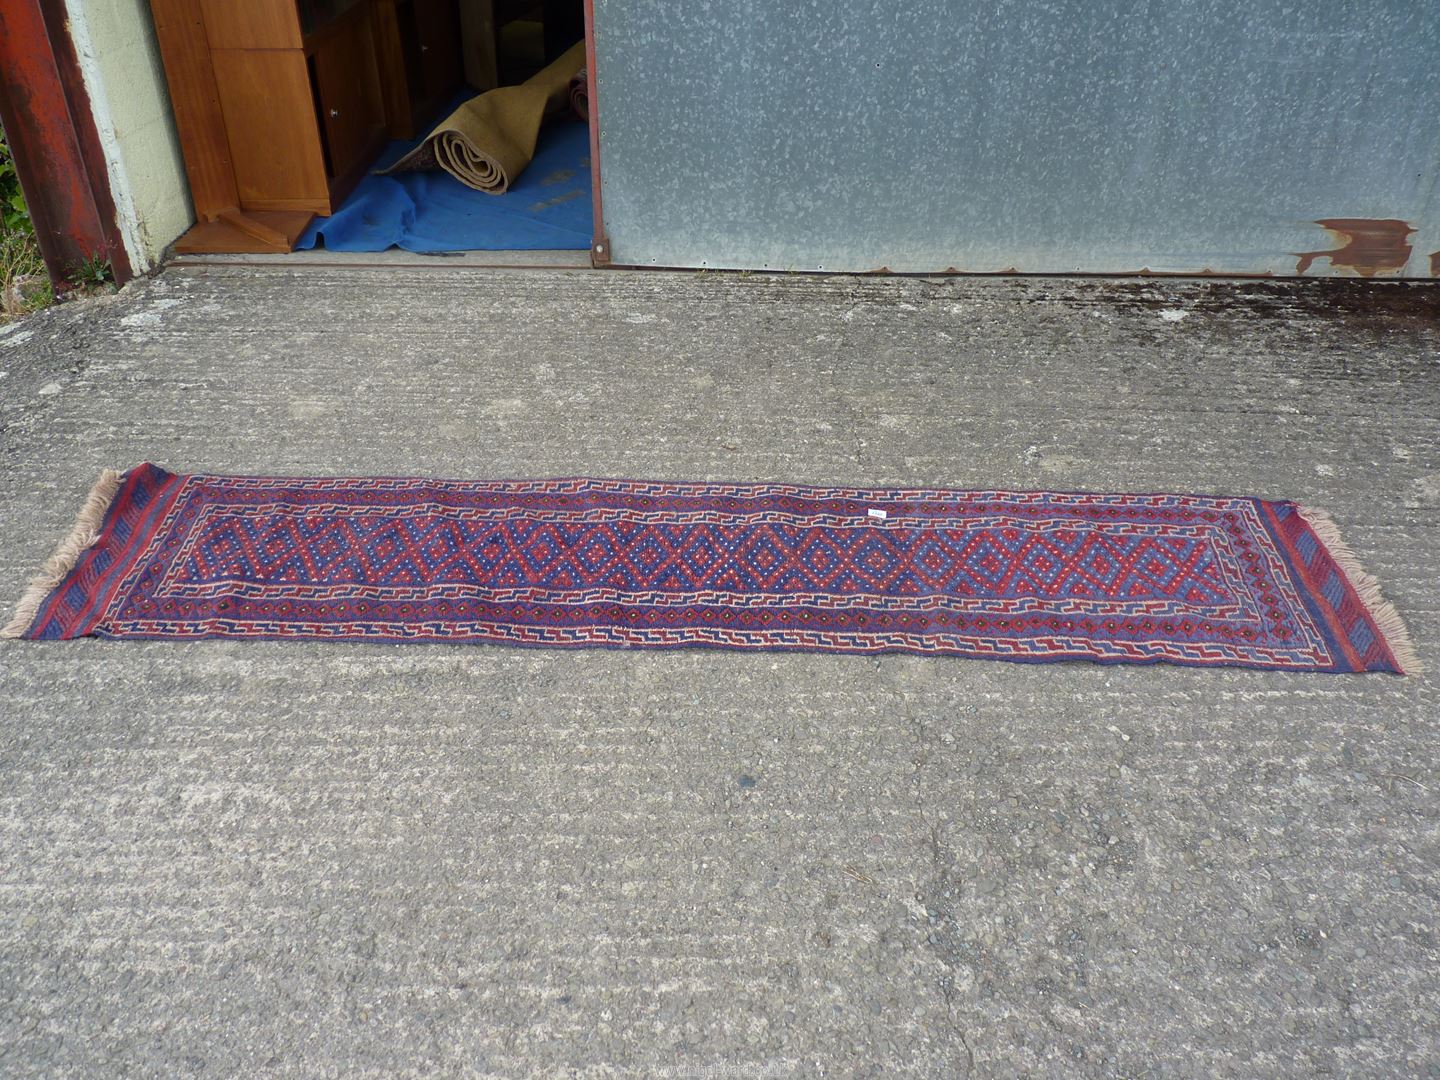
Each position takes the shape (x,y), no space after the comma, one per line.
(547,208)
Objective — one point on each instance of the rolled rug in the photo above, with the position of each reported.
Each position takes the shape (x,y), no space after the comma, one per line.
(487,142)
(580,95)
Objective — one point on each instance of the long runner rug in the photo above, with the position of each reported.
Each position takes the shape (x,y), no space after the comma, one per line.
(1026,576)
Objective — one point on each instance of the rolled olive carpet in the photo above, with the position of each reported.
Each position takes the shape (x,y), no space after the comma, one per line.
(487,142)
(580,94)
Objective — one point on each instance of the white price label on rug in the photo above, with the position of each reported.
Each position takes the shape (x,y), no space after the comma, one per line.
(878,514)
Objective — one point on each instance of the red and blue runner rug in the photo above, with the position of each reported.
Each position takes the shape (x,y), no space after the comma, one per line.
(1025,576)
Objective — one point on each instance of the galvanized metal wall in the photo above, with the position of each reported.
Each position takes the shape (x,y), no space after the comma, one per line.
(1225,136)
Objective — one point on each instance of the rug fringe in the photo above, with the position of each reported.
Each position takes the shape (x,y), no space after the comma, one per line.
(84,533)
(1387,619)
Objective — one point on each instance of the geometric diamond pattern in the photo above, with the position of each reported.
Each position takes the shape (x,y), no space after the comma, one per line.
(308,547)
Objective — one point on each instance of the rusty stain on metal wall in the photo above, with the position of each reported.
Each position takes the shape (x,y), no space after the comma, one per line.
(1435,264)
(1368,246)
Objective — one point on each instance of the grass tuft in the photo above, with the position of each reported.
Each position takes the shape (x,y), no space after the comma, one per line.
(24,284)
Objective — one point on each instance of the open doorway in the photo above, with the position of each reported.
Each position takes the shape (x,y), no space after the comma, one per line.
(431,126)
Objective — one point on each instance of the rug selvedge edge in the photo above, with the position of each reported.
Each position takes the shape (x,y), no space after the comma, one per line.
(82,536)
(1382,612)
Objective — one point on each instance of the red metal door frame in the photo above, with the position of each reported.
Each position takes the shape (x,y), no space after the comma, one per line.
(599,242)
(51,129)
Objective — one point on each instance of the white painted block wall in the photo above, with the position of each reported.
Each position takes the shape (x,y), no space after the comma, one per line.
(120,60)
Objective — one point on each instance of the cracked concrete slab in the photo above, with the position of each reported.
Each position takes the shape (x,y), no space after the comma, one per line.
(261,859)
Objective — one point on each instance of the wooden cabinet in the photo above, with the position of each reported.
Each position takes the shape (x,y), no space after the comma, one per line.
(280,110)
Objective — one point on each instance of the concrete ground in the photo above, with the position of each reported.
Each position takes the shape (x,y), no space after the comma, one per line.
(263,859)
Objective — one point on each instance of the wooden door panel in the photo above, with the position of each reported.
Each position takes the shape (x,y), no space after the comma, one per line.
(190,76)
(270,127)
(251,24)
(437,24)
(348,91)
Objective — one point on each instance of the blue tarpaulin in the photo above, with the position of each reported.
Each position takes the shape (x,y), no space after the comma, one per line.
(547,208)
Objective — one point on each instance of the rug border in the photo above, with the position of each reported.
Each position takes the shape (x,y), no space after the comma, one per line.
(82,536)
(576,478)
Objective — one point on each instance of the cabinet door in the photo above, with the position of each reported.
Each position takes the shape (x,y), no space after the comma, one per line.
(347,91)
(437,29)
(270,129)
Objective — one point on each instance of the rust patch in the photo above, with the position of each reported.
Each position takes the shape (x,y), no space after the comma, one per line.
(1435,264)
(1368,246)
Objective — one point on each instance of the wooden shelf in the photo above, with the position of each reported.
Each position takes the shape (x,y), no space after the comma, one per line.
(316,15)
(256,232)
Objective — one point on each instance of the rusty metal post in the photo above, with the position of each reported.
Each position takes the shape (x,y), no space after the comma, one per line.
(48,122)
